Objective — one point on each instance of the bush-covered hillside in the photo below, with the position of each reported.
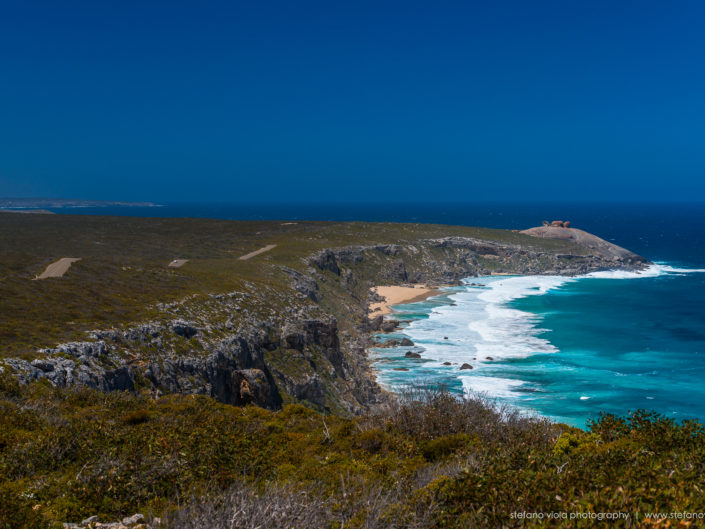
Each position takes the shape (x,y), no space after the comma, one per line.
(175,347)
(267,312)
(123,273)
(427,461)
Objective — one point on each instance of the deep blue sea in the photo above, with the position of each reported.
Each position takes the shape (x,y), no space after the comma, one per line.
(560,347)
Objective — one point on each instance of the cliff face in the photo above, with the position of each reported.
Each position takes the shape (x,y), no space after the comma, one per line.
(309,345)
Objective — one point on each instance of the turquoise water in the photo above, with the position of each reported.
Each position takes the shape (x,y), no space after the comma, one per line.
(561,348)
(565,348)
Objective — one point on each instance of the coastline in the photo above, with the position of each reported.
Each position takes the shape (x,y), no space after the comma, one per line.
(509,336)
(318,303)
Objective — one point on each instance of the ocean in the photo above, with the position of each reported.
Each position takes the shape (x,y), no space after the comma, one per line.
(563,348)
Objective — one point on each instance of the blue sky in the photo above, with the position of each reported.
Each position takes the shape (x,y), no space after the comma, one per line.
(253,101)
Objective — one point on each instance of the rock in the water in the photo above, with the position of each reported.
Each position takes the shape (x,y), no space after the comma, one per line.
(466,366)
(376,322)
(405,342)
(389,325)
(446,363)
(411,354)
(489,358)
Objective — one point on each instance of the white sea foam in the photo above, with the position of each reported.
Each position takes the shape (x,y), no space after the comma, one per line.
(653,270)
(480,324)
(490,386)
(479,328)
(506,332)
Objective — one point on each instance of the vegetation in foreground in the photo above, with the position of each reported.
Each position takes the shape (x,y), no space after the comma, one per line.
(428,461)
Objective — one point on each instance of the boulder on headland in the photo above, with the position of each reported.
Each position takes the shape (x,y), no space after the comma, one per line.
(465,366)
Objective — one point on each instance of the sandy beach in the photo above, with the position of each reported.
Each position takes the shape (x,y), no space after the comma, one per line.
(397,295)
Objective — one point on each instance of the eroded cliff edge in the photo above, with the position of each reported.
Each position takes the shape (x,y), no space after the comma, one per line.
(303,336)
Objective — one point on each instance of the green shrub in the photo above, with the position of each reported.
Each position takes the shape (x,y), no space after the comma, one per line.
(444,446)
(371,440)
(66,455)
(137,417)
(574,440)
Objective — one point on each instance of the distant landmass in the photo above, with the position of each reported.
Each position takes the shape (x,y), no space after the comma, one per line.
(31,203)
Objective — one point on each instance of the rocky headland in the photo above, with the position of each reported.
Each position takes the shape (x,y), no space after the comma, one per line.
(303,336)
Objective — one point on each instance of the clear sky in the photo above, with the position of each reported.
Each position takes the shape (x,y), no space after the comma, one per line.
(297,100)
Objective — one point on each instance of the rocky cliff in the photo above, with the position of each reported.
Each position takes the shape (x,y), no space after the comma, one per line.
(301,339)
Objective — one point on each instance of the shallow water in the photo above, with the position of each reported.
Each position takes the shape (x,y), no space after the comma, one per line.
(566,348)
(562,348)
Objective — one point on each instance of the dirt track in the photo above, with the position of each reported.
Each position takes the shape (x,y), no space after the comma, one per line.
(178,263)
(59,268)
(257,252)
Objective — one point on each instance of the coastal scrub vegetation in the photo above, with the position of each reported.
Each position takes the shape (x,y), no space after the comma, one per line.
(427,460)
(124,275)
(423,460)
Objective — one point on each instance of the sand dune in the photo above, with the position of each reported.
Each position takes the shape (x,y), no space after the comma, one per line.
(257,252)
(58,268)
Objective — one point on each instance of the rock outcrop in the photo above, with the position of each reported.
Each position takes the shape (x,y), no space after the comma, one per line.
(597,247)
(136,521)
(269,345)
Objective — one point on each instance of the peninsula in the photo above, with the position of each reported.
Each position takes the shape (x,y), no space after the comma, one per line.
(186,373)
(214,307)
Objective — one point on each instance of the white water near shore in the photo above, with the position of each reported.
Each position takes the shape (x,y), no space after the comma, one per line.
(479,327)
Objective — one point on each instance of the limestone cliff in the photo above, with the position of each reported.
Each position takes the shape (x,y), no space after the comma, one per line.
(310,344)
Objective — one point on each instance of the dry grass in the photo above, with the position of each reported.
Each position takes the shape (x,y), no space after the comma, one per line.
(288,506)
(428,412)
